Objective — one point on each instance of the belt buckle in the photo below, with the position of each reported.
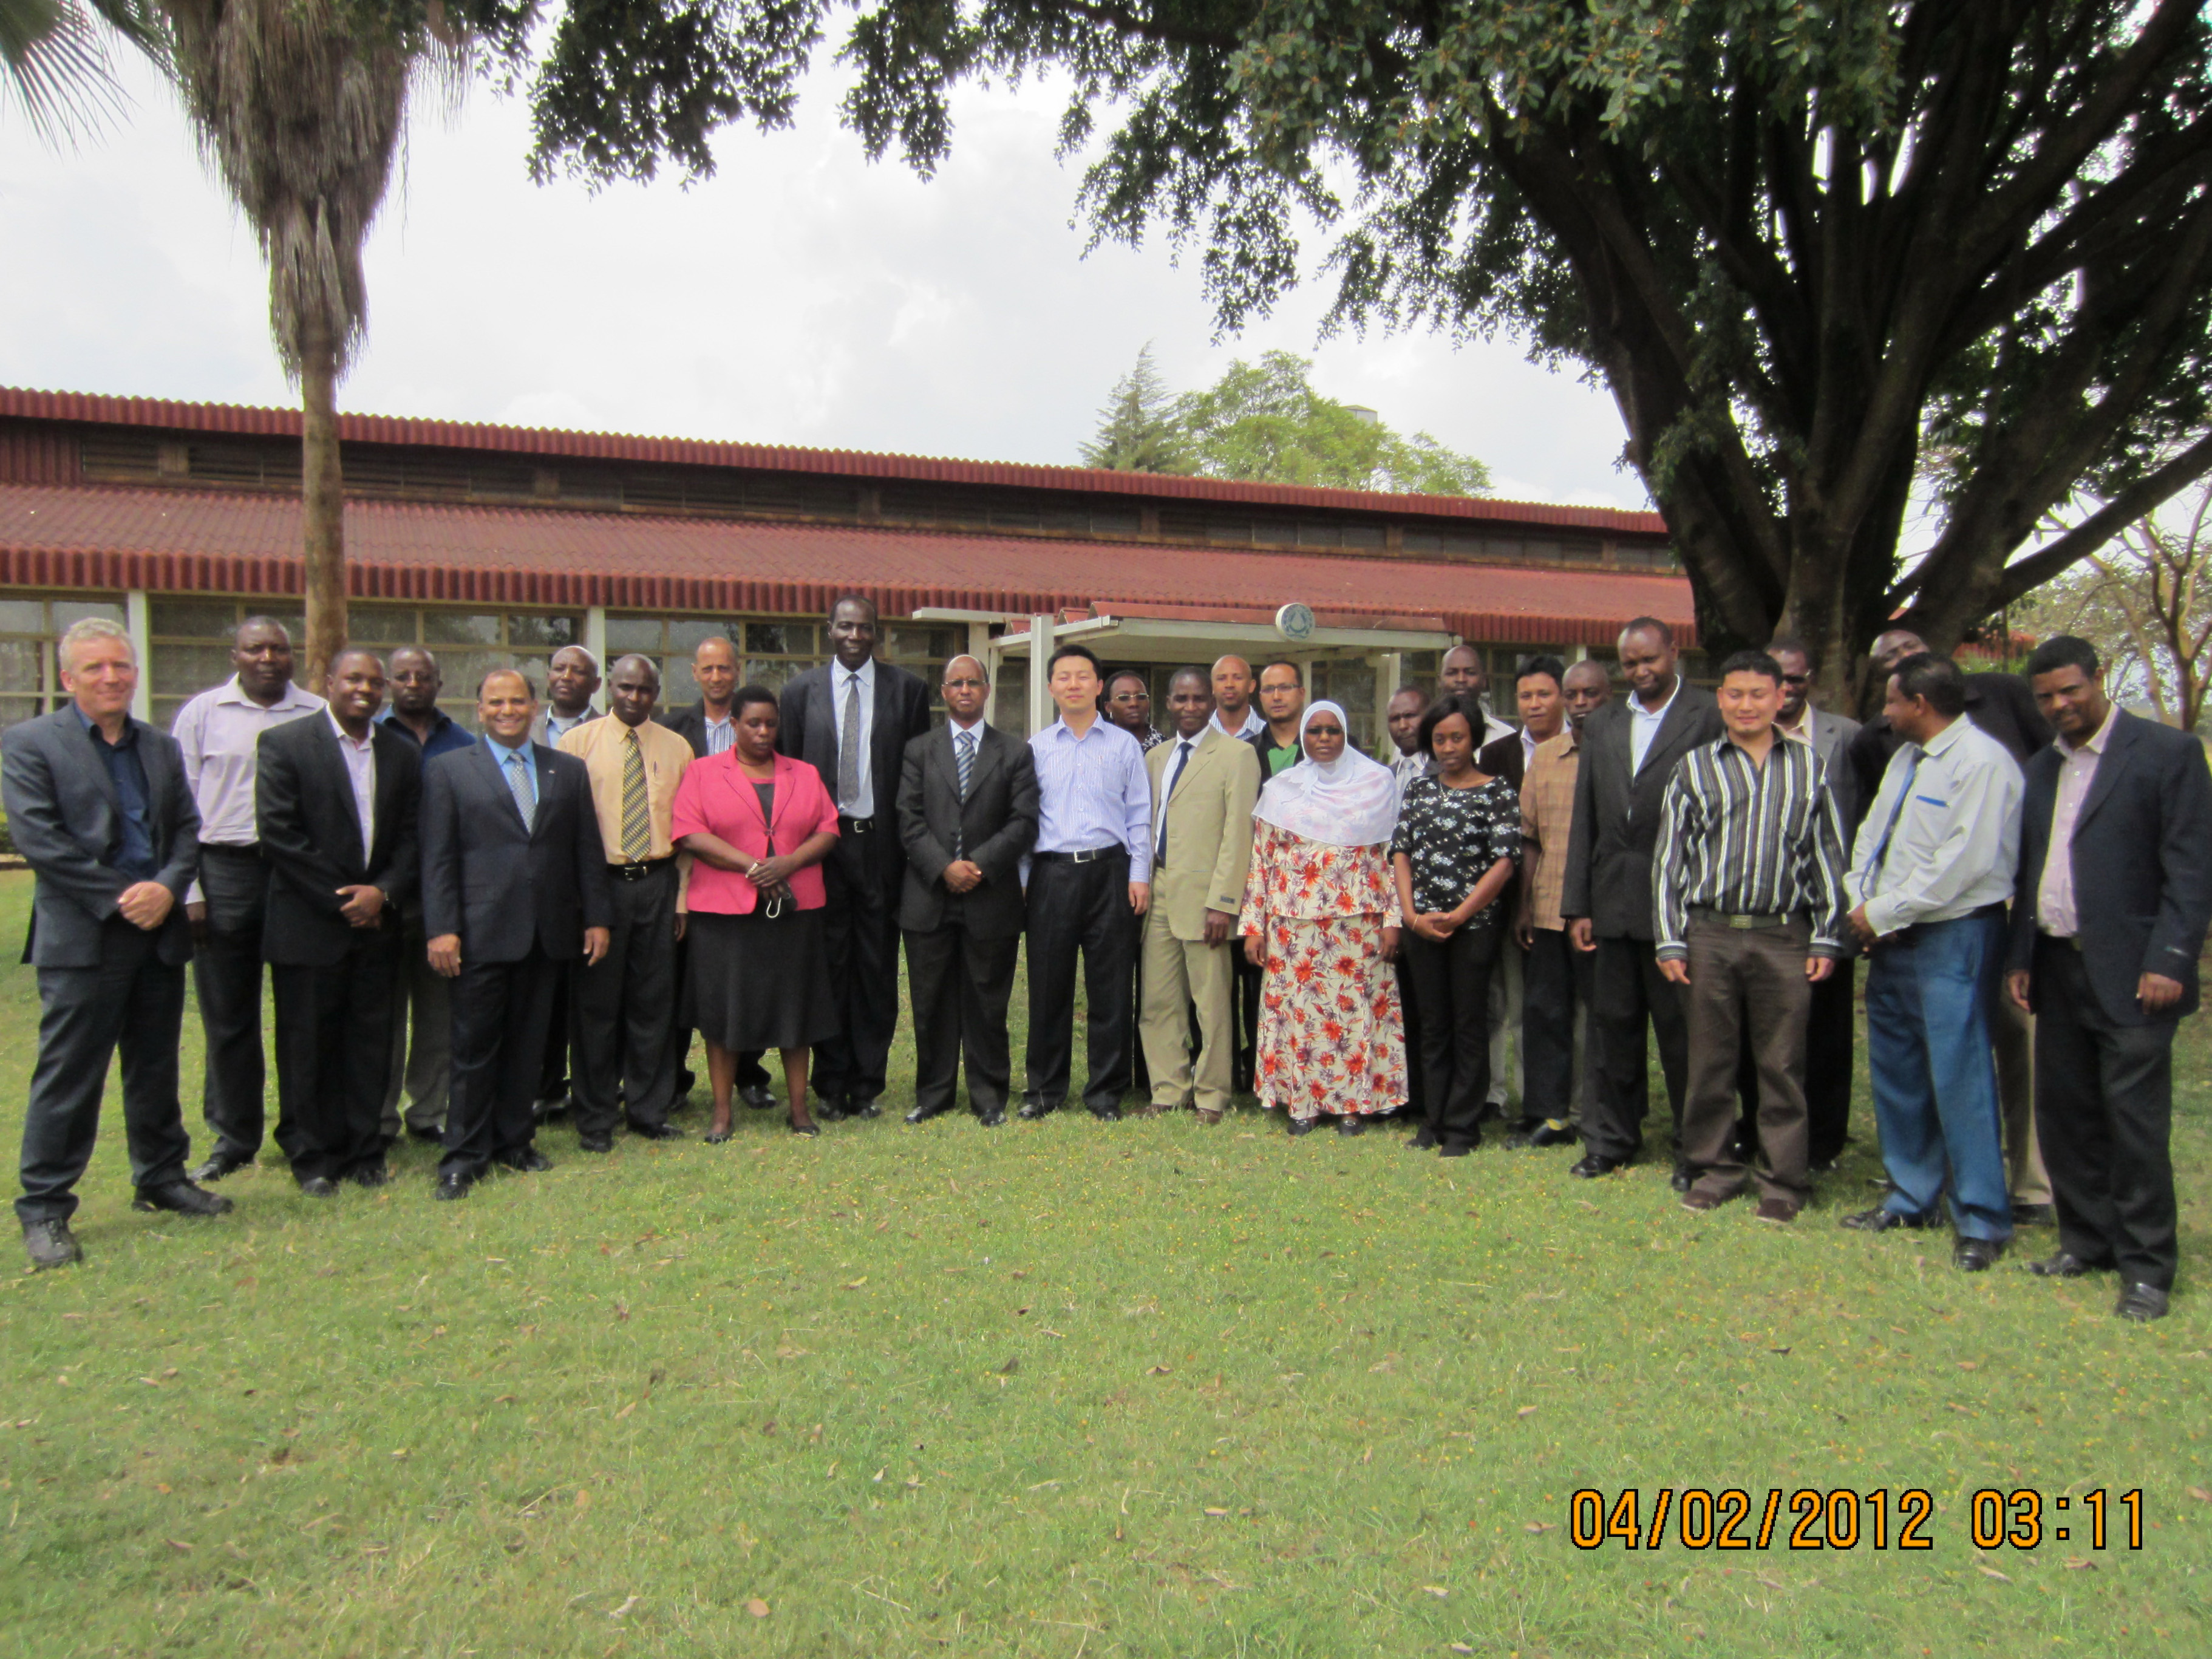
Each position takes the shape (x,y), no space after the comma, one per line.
(1742,924)
(1084,855)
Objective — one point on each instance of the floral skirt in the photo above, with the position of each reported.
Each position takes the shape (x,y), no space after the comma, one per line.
(1332,1034)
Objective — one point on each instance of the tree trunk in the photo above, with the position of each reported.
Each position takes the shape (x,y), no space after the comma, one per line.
(322,501)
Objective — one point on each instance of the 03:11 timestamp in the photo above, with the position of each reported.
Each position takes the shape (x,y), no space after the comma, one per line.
(1698,1518)
(1996,1519)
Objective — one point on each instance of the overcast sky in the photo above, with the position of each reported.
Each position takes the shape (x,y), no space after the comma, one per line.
(802,296)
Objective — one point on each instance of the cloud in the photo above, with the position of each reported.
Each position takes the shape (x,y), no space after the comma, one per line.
(803,295)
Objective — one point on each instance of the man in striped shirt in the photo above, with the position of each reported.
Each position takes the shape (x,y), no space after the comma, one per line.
(1747,903)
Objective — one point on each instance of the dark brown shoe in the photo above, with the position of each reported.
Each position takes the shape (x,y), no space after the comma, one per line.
(1701,1203)
(1779,1211)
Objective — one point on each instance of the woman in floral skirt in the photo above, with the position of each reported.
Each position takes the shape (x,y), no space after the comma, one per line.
(1320,916)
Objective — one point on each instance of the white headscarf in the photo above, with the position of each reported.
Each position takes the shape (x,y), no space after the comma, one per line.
(1351,802)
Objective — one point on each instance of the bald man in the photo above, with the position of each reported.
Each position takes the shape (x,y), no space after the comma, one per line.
(1234,687)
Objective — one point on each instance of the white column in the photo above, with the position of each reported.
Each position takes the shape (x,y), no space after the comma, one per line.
(1041,714)
(137,620)
(595,642)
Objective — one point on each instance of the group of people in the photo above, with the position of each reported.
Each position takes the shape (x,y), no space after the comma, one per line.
(469,932)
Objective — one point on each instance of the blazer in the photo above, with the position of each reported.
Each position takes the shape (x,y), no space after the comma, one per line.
(716,798)
(310,834)
(503,888)
(64,815)
(1209,825)
(1504,757)
(1608,871)
(689,724)
(997,823)
(1831,742)
(2142,864)
(810,734)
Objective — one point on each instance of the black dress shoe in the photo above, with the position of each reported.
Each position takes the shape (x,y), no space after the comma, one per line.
(922,1115)
(1299,1126)
(2142,1303)
(687,1080)
(181,1198)
(661,1131)
(595,1143)
(1033,1109)
(433,1136)
(1549,1134)
(2066,1265)
(451,1187)
(1106,1114)
(319,1186)
(1456,1148)
(1975,1256)
(1822,1166)
(992,1119)
(1351,1125)
(369,1175)
(758,1096)
(1594,1164)
(50,1244)
(528,1161)
(1424,1141)
(857,1107)
(2035,1215)
(1681,1180)
(1881,1219)
(216,1168)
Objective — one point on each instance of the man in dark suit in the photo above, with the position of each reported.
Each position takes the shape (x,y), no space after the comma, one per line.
(1540,703)
(967,813)
(98,805)
(2108,920)
(851,720)
(1628,751)
(514,883)
(336,801)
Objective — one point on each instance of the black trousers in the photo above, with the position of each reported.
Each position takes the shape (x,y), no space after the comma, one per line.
(1556,980)
(227,973)
(500,1010)
(334,1056)
(2103,1115)
(1251,981)
(960,986)
(133,1002)
(1409,1003)
(553,1071)
(1451,989)
(620,1012)
(1628,992)
(1080,908)
(860,924)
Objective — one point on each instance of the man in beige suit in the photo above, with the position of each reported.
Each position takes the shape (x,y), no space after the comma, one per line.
(1204,784)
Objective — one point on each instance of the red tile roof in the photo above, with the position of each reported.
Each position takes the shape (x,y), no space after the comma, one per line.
(59,536)
(148,412)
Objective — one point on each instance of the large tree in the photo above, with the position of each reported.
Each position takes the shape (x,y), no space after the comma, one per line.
(1825,256)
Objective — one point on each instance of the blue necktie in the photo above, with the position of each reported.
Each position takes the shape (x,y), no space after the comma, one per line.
(518,784)
(1881,847)
(1175,776)
(964,750)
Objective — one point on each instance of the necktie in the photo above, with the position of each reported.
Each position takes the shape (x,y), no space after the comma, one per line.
(518,783)
(848,747)
(1881,847)
(637,815)
(963,753)
(1175,776)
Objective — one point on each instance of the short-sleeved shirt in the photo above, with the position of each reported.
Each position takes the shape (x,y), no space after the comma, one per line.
(1452,837)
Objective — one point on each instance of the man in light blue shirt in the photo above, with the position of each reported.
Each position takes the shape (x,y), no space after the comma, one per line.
(1929,877)
(1090,882)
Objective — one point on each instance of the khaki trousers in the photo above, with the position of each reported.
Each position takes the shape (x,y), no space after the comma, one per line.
(2012,1034)
(1747,982)
(1177,972)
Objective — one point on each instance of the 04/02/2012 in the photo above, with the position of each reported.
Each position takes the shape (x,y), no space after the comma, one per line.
(1697,1518)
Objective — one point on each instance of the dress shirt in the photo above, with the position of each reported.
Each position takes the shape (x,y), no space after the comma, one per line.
(1643,725)
(1956,841)
(1492,727)
(559,726)
(1093,792)
(1746,839)
(602,747)
(1548,819)
(2077,770)
(842,678)
(445,735)
(132,854)
(500,752)
(1178,763)
(1404,768)
(1252,723)
(720,733)
(217,731)
(1529,743)
(360,756)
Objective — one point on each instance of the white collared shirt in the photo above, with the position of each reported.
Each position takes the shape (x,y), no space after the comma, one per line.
(1643,725)
(360,757)
(1252,723)
(841,679)
(2077,770)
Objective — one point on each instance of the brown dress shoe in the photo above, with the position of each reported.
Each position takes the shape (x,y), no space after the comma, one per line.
(1779,1211)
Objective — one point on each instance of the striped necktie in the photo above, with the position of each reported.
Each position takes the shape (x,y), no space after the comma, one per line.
(848,749)
(518,784)
(963,751)
(636,812)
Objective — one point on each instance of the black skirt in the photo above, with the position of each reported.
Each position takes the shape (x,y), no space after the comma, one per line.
(752,983)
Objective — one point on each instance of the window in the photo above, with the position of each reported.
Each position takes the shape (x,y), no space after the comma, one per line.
(30,674)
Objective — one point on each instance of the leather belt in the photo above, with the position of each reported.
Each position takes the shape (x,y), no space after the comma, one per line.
(1740,921)
(639,871)
(848,824)
(251,850)
(1087,855)
(2064,941)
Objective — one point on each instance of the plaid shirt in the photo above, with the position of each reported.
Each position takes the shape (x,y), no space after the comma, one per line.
(1547,817)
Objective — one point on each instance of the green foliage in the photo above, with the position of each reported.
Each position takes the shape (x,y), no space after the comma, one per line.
(53,58)
(1138,431)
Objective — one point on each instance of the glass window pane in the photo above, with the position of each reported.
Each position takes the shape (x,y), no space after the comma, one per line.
(677,689)
(191,619)
(380,625)
(165,709)
(778,639)
(73,611)
(553,631)
(459,628)
(635,634)
(19,665)
(464,672)
(189,670)
(684,633)
(771,672)
(14,709)
(22,616)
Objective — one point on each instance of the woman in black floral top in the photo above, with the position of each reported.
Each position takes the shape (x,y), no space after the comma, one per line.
(1459,833)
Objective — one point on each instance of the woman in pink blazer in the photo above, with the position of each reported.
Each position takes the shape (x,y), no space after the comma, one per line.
(757,825)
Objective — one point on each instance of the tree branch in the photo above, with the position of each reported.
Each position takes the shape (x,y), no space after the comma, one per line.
(2146,495)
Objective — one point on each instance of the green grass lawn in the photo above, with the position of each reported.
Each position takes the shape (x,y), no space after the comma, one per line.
(1064,1390)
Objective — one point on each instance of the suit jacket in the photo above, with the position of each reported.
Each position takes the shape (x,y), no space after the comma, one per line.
(689,724)
(1209,825)
(310,833)
(810,734)
(64,815)
(1831,741)
(502,887)
(997,824)
(1609,872)
(1504,757)
(2142,863)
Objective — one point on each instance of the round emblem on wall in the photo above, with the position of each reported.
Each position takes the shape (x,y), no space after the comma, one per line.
(1295,622)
